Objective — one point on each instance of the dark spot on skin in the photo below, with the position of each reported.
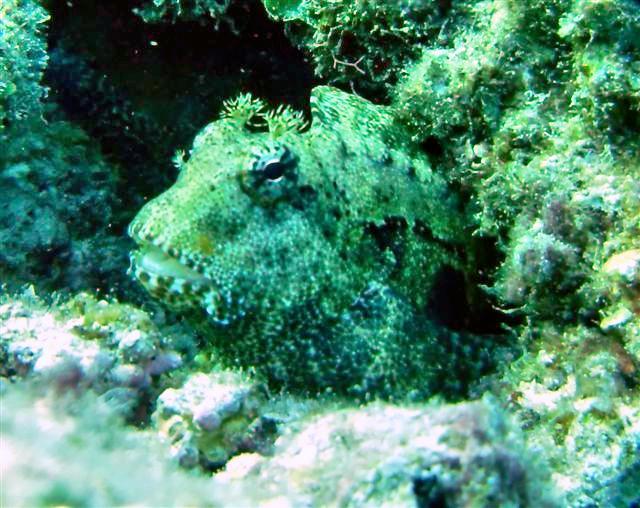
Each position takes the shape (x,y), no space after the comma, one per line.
(305,196)
(160,292)
(327,233)
(344,151)
(389,236)
(308,192)
(383,197)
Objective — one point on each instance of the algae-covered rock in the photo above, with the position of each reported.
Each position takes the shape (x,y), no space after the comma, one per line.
(61,207)
(362,44)
(458,90)
(605,59)
(210,418)
(575,393)
(61,189)
(537,142)
(380,455)
(312,255)
(23,58)
(111,349)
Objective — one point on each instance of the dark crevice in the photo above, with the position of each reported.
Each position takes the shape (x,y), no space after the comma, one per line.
(144,90)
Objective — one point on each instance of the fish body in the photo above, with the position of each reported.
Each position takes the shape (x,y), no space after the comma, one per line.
(308,253)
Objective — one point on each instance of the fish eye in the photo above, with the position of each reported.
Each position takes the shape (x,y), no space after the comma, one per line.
(274,170)
(272,174)
(274,164)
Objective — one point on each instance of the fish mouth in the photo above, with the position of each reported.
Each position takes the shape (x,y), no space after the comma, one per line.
(166,273)
(154,261)
(179,281)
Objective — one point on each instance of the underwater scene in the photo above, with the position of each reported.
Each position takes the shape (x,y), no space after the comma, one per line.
(320,253)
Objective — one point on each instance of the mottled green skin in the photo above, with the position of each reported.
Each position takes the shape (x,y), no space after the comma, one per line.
(315,280)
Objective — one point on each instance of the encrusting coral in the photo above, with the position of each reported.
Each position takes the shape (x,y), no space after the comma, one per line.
(213,417)
(466,454)
(111,349)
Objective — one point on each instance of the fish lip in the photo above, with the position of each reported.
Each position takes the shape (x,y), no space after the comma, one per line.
(222,308)
(167,261)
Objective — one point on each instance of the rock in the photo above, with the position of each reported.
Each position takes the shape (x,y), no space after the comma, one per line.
(381,455)
(210,418)
(105,347)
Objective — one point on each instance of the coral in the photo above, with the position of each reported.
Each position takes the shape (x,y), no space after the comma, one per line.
(606,67)
(364,44)
(461,455)
(521,136)
(574,392)
(561,210)
(111,349)
(459,91)
(210,418)
(300,257)
(75,451)
(545,148)
(63,191)
(23,58)
(619,282)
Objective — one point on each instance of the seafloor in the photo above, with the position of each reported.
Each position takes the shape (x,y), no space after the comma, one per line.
(381,253)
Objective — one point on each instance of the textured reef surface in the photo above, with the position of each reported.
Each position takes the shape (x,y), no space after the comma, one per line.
(320,253)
